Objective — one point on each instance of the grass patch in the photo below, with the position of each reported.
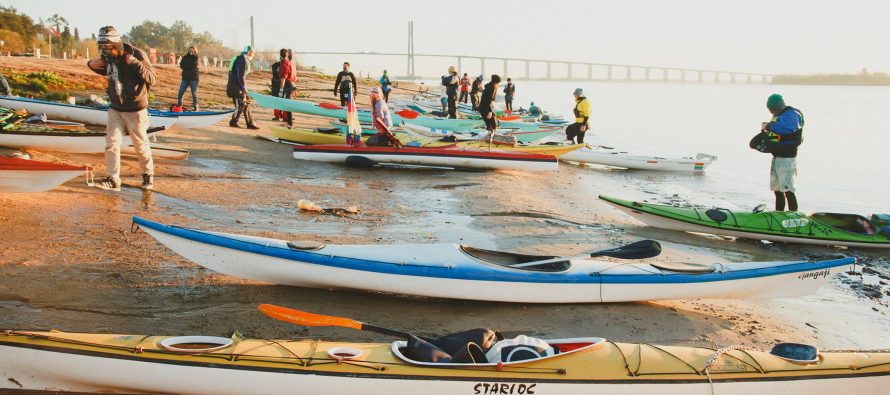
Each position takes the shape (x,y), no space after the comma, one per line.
(43,84)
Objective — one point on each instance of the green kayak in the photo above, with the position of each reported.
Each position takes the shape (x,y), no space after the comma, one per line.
(820,228)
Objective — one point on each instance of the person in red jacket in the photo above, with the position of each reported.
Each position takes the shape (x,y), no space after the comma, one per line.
(287,71)
(464,89)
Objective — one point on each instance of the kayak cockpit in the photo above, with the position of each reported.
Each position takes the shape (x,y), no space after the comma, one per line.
(686,268)
(510,259)
(560,347)
(852,223)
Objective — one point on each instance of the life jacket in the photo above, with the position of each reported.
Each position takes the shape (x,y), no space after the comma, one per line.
(794,138)
(579,116)
(346,82)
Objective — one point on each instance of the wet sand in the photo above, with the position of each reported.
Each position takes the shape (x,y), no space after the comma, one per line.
(70,261)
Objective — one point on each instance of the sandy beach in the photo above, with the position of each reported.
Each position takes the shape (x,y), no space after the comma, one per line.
(70,261)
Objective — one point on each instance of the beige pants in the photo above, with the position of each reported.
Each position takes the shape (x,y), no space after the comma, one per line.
(782,174)
(136,125)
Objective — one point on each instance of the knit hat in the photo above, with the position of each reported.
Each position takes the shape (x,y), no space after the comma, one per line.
(481,77)
(247,49)
(533,103)
(578,92)
(108,35)
(775,101)
(375,91)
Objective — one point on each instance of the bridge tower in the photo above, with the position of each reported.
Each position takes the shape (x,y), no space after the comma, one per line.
(411,50)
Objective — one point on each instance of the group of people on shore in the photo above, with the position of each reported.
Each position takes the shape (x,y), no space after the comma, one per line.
(130,75)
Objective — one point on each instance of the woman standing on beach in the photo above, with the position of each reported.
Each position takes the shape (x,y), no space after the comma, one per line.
(189,66)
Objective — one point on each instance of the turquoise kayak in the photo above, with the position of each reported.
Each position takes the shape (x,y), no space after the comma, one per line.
(305,107)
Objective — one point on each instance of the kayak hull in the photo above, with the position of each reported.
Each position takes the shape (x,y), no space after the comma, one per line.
(306,136)
(194,120)
(439,157)
(74,113)
(73,142)
(786,235)
(637,162)
(453,273)
(22,175)
(59,361)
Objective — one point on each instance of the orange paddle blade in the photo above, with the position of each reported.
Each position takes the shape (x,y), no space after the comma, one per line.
(307,319)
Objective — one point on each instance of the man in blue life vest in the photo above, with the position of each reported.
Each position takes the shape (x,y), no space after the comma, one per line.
(785,134)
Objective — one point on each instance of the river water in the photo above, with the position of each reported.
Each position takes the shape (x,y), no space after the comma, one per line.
(842,163)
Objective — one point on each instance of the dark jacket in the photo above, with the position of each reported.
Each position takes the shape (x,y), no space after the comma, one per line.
(189,66)
(343,79)
(135,76)
(453,84)
(477,86)
(236,77)
(488,95)
(509,90)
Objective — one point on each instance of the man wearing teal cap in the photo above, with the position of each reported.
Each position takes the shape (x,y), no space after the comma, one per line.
(785,134)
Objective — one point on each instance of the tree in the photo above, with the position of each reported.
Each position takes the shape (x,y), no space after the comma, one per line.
(150,35)
(76,35)
(21,24)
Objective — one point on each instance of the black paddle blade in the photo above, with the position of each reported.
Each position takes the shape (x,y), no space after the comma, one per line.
(638,250)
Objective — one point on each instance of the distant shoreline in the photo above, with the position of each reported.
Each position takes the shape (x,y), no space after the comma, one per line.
(863,78)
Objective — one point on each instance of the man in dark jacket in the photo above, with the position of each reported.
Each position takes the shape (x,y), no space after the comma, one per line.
(486,102)
(451,82)
(276,80)
(130,75)
(509,90)
(345,84)
(239,67)
(476,91)
(189,66)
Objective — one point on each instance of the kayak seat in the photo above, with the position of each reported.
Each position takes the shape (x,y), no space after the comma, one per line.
(329,130)
(305,245)
(509,259)
(688,268)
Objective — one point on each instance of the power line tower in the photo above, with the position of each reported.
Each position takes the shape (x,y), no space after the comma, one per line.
(411,49)
(252,45)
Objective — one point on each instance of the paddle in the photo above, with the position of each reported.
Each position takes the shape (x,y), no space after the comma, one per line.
(308,319)
(637,250)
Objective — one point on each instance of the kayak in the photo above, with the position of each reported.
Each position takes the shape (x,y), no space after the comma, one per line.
(794,227)
(193,119)
(308,136)
(464,158)
(88,142)
(615,158)
(114,363)
(522,136)
(74,113)
(23,175)
(554,150)
(305,107)
(463,272)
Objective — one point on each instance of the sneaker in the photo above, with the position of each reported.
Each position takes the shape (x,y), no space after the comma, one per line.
(252,126)
(148,182)
(109,184)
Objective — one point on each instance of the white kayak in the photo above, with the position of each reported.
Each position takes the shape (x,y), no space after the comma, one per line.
(23,175)
(194,120)
(161,151)
(452,157)
(462,272)
(614,158)
(70,142)
(74,113)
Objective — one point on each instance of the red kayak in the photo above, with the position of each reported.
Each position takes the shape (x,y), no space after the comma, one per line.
(452,157)
(22,175)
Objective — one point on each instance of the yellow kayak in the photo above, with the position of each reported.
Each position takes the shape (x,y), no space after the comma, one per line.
(59,361)
(308,136)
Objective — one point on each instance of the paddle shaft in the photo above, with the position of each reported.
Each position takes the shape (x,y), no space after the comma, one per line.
(638,250)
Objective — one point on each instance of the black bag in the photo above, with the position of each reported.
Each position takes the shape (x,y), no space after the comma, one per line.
(760,142)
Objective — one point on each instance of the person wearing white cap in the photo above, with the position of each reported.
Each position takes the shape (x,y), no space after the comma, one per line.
(575,132)
(451,82)
(236,88)
(130,76)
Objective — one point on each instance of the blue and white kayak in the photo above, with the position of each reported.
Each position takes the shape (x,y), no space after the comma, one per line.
(462,272)
(195,119)
(75,113)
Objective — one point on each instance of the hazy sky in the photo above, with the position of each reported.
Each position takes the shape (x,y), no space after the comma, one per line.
(752,35)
